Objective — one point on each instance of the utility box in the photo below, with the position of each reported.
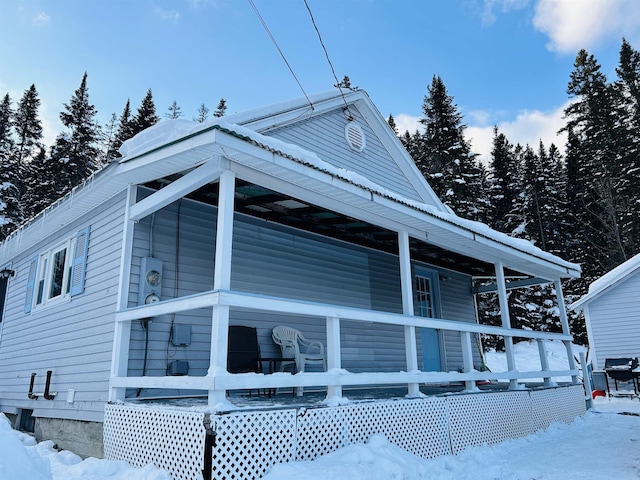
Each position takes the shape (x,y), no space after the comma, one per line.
(181,335)
(178,367)
(150,280)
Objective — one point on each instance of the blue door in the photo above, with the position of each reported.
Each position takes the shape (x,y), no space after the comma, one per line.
(427,304)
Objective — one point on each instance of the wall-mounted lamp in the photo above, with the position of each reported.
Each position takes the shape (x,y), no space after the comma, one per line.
(6,273)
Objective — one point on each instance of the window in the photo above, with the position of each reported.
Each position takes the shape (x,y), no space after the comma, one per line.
(57,274)
(54,273)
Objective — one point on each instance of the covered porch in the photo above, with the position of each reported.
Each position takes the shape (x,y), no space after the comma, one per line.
(363,303)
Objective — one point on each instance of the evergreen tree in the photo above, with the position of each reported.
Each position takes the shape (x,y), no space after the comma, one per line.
(76,151)
(203,112)
(221,109)
(10,205)
(174,111)
(146,115)
(447,162)
(27,126)
(108,138)
(392,123)
(123,133)
(504,184)
(592,120)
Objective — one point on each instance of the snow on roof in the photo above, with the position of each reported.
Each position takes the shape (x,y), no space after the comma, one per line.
(618,274)
(163,134)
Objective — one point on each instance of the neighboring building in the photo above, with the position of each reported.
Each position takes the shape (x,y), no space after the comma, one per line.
(612,313)
(309,216)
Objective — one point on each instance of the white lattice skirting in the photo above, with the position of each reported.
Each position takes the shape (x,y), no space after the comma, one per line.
(247,443)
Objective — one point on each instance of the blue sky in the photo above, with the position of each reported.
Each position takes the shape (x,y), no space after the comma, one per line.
(506,62)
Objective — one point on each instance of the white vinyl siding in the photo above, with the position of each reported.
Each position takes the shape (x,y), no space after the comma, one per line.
(72,339)
(615,321)
(272,259)
(324,135)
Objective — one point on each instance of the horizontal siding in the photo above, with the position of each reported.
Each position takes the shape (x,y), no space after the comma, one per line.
(73,339)
(272,259)
(615,321)
(324,135)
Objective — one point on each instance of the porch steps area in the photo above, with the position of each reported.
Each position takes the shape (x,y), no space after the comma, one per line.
(247,442)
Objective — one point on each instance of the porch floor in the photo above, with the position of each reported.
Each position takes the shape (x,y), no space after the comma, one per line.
(286,398)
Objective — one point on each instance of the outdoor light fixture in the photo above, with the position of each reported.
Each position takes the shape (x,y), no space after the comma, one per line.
(6,273)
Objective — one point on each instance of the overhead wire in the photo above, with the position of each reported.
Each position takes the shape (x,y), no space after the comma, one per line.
(264,24)
(326,53)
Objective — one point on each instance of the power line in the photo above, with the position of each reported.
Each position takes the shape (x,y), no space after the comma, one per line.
(327,55)
(264,24)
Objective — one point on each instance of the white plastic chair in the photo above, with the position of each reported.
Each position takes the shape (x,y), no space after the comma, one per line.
(294,345)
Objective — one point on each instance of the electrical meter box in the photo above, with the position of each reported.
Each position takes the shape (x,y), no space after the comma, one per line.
(150,280)
(181,335)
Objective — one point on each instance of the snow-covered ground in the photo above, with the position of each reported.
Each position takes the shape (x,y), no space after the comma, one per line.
(605,443)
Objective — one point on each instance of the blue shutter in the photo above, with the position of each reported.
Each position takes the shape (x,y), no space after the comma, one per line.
(79,265)
(31,281)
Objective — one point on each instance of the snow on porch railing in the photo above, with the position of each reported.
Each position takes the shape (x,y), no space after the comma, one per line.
(335,378)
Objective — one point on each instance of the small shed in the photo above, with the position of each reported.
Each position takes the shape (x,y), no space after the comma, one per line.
(612,313)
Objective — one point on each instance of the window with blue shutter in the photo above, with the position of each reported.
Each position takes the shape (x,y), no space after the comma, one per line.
(79,263)
(31,280)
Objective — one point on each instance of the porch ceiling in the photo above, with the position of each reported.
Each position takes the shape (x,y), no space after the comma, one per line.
(266,204)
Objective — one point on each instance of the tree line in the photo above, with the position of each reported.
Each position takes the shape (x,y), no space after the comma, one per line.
(583,205)
(33,176)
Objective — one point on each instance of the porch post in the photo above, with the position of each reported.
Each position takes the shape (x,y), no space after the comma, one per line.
(544,362)
(222,281)
(467,360)
(333,353)
(122,330)
(562,310)
(406,281)
(506,322)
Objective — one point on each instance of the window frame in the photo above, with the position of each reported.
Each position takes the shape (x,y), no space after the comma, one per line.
(45,274)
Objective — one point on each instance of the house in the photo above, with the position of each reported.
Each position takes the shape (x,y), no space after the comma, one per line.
(612,314)
(308,214)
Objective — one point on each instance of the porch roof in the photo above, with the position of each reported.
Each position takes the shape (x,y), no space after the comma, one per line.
(176,147)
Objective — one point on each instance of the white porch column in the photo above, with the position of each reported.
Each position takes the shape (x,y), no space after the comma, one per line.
(562,310)
(467,360)
(544,362)
(122,330)
(406,281)
(222,281)
(334,355)
(506,322)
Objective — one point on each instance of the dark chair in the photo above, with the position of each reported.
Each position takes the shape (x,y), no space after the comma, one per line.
(243,350)
(621,370)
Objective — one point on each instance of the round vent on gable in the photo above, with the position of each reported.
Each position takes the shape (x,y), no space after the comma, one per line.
(355,136)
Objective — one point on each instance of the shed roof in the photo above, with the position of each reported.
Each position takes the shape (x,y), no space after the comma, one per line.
(608,281)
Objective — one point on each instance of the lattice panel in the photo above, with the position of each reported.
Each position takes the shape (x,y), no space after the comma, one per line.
(170,439)
(321,431)
(488,418)
(419,426)
(247,444)
(556,405)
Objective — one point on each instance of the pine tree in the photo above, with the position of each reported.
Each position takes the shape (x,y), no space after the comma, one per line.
(27,126)
(447,162)
(11,213)
(76,151)
(593,123)
(203,112)
(146,115)
(174,111)
(108,138)
(392,124)
(221,109)
(124,132)
(504,184)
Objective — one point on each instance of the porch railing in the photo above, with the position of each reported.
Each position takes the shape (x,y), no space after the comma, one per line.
(218,380)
